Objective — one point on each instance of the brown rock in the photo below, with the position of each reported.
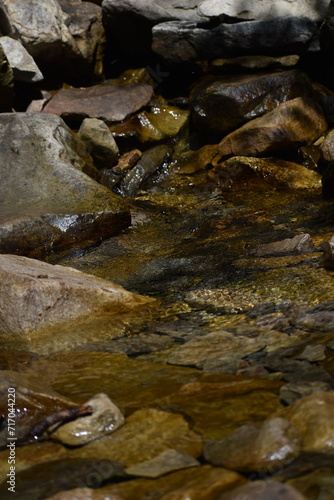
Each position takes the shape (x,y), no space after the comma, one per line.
(111,103)
(292,124)
(166,462)
(301,243)
(35,295)
(224,104)
(264,490)
(241,172)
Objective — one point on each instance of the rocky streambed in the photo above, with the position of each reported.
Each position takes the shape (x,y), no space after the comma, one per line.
(166,239)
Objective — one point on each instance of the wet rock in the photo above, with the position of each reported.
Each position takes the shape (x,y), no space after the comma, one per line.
(264,490)
(161,122)
(313,352)
(254,63)
(301,243)
(191,162)
(100,142)
(164,463)
(150,161)
(290,393)
(320,317)
(61,205)
(127,161)
(111,103)
(225,104)
(256,449)
(6,83)
(105,419)
(84,22)
(35,295)
(289,125)
(263,10)
(182,41)
(241,172)
(146,434)
(297,371)
(224,301)
(313,417)
(24,67)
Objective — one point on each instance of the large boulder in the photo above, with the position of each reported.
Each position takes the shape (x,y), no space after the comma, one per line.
(46,199)
(35,296)
(290,125)
(182,41)
(222,105)
(44,30)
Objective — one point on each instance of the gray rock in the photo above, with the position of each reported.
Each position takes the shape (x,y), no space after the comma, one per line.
(110,103)
(289,393)
(100,142)
(150,161)
(301,243)
(167,461)
(6,83)
(23,65)
(35,295)
(313,352)
(179,41)
(46,201)
(105,419)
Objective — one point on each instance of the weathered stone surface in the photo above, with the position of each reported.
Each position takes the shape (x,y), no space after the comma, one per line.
(111,103)
(100,142)
(182,41)
(313,418)
(313,352)
(164,463)
(301,243)
(227,102)
(84,22)
(35,295)
(264,490)
(290,393)
(42,30)
(320,317)
(292,124)
(241,172)
(205,483)
(105,419)
(6,83)
(145,434)
(24,67)
(45,200)
(327,147)
(253,449)
(150,161)
(161,122)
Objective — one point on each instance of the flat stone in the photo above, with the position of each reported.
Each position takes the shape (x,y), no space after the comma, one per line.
(145,434)
(35,295)
(301,243)
(242,172)
(105,419)
(164,463)
(227,102)
(256,449)
(23,65)
(264,490)
(291,124)
(111,103)
(183,41)
(62,206)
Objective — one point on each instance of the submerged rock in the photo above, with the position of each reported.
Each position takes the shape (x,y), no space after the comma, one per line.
(301,243)
(111,103)
(46,201)
(291,124)
(222,105)
(23,65)
(264,490)
(166,462)
(241,172)
(290,393)
(35,295)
